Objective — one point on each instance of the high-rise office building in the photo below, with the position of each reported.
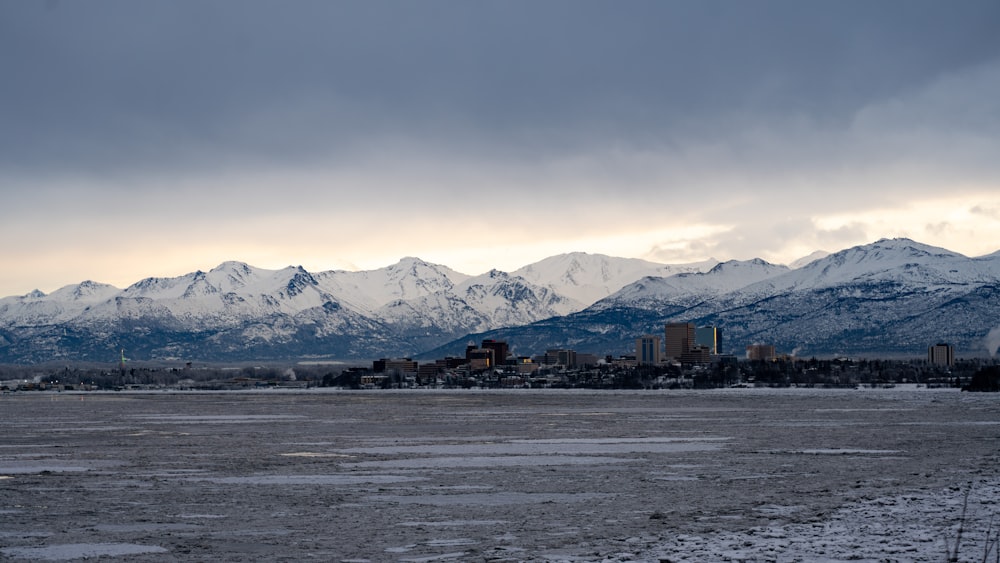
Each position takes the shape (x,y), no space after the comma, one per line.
(709,337)
(941,354)
(678,338)
(647,350)
(500,350)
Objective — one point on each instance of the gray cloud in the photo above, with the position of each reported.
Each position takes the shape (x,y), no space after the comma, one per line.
(115,85)
(756,237)
(986,211)
(733,127)
(937,228)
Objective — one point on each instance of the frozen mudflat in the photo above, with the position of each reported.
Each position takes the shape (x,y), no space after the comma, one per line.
(725,475)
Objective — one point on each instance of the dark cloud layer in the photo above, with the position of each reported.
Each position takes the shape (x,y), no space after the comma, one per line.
(103,86)
(158,137)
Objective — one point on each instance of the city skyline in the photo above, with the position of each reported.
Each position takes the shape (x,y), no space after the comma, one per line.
(155,139)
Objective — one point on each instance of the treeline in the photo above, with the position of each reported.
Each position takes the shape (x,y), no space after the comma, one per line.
(115,377)
(976,374)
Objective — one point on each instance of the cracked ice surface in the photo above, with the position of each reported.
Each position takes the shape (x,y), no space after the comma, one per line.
(909,527)
(754,475)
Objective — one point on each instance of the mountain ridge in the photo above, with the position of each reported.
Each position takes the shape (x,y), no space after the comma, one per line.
(889,295)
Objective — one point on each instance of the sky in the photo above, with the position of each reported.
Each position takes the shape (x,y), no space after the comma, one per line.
(157,138)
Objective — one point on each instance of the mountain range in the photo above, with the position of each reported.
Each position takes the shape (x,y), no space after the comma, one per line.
(890,297)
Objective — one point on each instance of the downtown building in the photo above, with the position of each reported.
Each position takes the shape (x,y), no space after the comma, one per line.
(647,350)
(678,339)
(941,354)
(680,343)
(761,352)
(709,337)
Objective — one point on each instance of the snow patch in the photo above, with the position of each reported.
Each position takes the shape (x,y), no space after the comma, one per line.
(487,461)
(453,523)
(489,499)
(70,551)
(909,527)
(215,419)
(271,480)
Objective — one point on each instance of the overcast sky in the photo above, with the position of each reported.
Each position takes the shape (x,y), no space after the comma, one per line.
(157,138)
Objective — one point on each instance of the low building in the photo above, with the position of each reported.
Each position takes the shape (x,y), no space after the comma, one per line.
(479,359)
(760,352)
(395,366)
(561,357)
(696,355)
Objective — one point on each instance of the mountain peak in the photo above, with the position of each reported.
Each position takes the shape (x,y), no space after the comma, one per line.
(908,245)
(889,252)
(900,260)
(587,278)
(91,289)
(754,263)
(411,262)
(232,266)
(412,265)
(692,287)
(893,241)
(807,259)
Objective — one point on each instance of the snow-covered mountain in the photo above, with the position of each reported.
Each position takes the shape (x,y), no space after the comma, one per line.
(237,309)
(893,296)
(901,260)
(590,277)
(228,293)
(809,258)
(369,290)
(692,288)
(491,300)
(60,306)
